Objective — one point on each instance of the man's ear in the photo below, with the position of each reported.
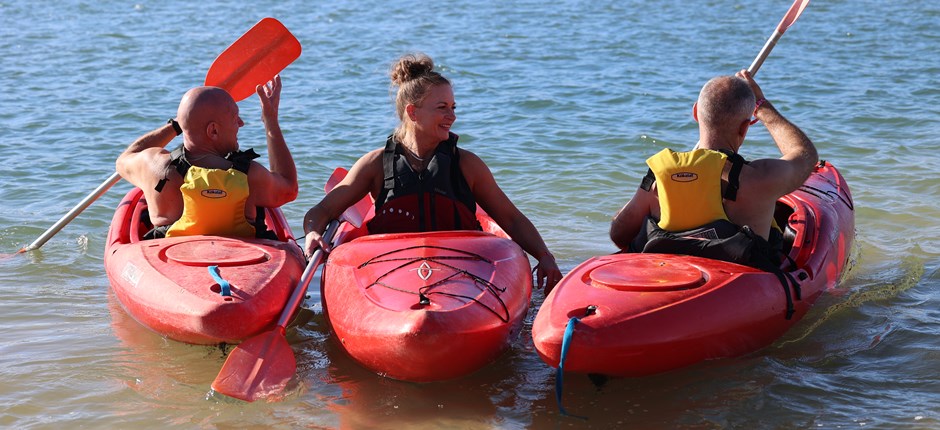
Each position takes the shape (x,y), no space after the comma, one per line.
(212,130)
(695,111)
(742,129)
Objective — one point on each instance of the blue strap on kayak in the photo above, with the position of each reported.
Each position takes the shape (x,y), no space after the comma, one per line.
(226,287)
(565,344)
(559,374)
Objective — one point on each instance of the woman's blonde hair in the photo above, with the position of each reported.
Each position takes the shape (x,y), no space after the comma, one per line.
(414,75)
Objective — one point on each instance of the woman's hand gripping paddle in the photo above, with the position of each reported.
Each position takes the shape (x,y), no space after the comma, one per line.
(795,10)
(263,365)
(255,58)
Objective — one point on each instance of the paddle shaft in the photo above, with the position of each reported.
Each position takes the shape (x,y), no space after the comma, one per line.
(301,290)
(67,218)
(791,16)
(263,364)
(764,52)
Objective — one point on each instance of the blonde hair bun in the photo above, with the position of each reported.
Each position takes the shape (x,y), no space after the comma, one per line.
(410,67)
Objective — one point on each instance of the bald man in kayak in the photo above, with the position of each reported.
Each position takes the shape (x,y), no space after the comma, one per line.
(709,201)
(208,186)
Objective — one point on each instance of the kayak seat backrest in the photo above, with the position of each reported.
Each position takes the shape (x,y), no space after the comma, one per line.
(802,222)
(140,222)
(782,217)
(275,221)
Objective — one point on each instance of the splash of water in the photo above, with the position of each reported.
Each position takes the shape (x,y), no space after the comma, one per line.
(910,272)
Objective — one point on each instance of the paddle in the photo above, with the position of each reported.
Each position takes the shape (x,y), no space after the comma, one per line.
(68,217)
(795,10)
(259,54)
(265,363)
(266,49)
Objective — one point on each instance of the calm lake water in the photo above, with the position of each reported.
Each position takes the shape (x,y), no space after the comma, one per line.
(564,100)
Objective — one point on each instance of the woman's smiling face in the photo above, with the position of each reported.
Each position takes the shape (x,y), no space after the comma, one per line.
(434,116)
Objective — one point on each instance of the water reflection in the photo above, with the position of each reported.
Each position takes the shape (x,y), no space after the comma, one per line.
(363,399)
(156,367)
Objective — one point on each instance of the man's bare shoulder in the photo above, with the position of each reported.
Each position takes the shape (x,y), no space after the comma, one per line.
(769,176)
(145,168)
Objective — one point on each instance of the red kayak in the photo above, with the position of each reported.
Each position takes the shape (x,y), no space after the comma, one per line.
(640,314)
(167,284)
(427,306)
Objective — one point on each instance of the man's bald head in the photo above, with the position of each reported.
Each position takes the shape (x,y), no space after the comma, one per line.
(201,106)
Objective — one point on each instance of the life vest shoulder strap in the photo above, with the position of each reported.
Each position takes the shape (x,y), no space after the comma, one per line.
(177,162)
(388,163)
(393,148)
(648,180)
(734,176)
(241,161)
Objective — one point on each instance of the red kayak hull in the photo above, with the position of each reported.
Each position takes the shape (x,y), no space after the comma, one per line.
(658,312)
(427,307)
(165,284)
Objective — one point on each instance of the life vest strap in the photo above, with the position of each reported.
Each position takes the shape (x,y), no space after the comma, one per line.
(388,163)
(241,161)
(734,176)
(648,180)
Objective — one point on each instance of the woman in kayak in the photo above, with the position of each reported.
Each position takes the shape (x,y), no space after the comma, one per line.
(421,181)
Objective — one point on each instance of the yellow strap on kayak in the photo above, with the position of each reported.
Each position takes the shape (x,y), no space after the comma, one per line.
(689,187)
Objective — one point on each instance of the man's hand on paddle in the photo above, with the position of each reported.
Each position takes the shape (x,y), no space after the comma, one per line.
(758,93)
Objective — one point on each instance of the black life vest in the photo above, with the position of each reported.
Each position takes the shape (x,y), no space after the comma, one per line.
(436,199)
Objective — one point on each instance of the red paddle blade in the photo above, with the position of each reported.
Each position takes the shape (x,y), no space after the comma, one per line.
(338,174)
(795,10)
(6,256)
(253,59)
(258,367)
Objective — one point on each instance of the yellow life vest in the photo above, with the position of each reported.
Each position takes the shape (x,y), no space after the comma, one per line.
(689,187)
(213,204)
